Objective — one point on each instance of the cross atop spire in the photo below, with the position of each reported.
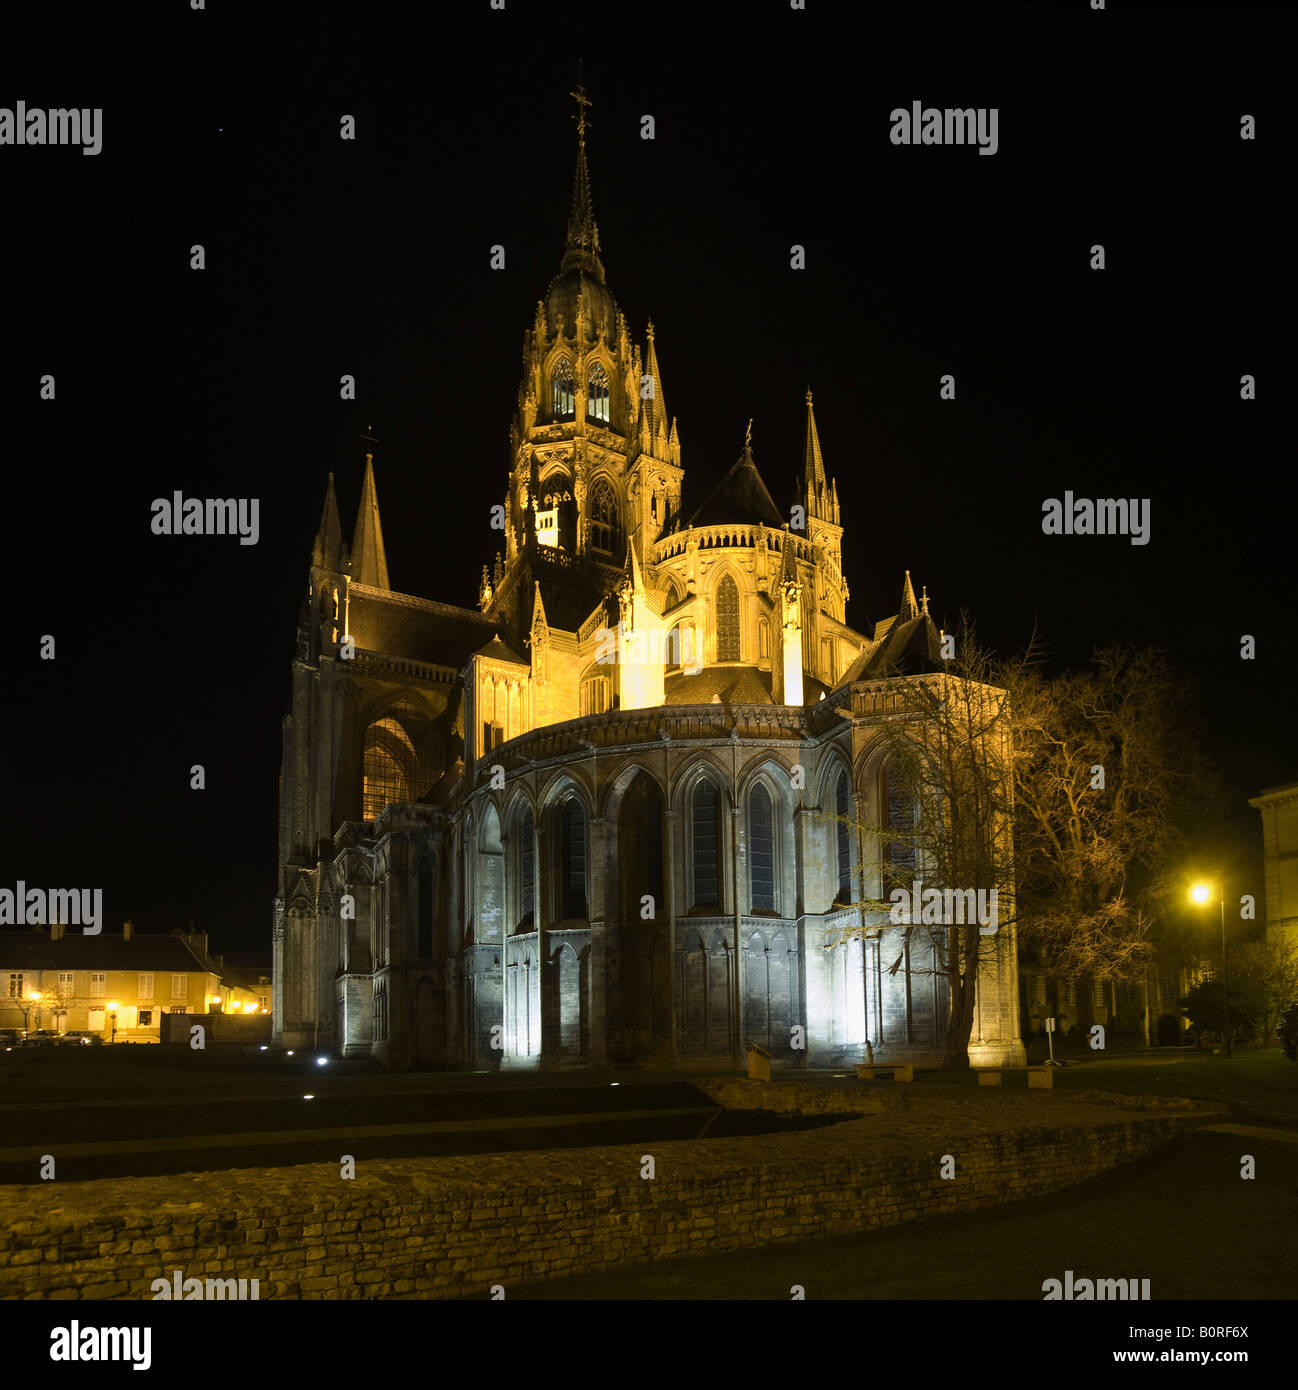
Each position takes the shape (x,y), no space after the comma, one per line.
(583,101)
(748,434)
(583,236)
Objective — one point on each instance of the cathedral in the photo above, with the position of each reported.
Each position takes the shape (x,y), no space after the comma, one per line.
(617,814)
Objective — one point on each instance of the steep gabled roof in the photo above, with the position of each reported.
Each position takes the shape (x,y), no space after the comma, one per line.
(497,650)
(740,497)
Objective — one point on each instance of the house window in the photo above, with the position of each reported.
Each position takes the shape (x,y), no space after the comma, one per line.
(572,860)
(565,400)
(146,1018)
(761,848)
(597,394)
(98,984)
(705,887)
(842,841)
(727,620)
(527,868)
(145,990)
(67,983)
(16,985)
(179,986)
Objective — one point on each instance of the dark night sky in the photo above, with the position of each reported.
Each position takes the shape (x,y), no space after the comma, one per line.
(371,257)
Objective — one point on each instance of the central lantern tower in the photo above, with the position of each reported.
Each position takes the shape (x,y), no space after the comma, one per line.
(595,459)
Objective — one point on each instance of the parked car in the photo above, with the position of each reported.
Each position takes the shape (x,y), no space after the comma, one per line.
(42,1037)
(10,1038)
(77,1038)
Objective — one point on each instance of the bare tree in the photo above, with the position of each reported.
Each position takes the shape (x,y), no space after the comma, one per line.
(1109,774)
(945,832)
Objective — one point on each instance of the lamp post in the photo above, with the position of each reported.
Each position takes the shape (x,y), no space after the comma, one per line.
(112,1014)
(1201,893)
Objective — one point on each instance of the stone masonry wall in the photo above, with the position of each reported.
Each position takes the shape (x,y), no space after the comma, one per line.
(453,1227)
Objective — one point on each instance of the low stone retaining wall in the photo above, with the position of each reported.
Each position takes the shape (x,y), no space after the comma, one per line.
(454,1227)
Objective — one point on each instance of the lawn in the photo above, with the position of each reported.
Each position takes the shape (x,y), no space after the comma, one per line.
(1260,1087)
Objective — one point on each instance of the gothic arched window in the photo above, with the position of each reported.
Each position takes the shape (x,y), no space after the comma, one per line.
(400,758)
(388,765)
(727,620)
(704,829)
(899,817)
(761,848)
(842,802)
(565,399)
(572,860)
(597,393)
(526,869)
(640,849)
(425,909)
(603,517)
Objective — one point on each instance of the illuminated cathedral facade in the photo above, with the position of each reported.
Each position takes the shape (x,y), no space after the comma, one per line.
(615,814)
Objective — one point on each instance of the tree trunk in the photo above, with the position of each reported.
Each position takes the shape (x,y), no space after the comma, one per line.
(964,983)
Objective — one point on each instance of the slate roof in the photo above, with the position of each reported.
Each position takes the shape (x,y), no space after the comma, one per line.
(501,651)
(910,648)
(438,633)
(33,950)
(740,497)
(736,685)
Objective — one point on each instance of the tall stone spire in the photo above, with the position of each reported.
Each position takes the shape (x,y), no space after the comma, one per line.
(653,404)
(813,465)
(326,553)
(909,608)
(583,236)
(369,559)
(819,494)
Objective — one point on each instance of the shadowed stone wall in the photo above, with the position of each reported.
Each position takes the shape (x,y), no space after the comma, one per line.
(453,1227)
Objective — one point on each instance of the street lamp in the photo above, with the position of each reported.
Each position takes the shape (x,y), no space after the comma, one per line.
(34,998)
(112,1013)
(1201,894)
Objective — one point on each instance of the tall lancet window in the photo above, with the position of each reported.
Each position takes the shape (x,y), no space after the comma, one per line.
(572,859)
(842,801)
(527,869)
(761,848)
(565,398)
(597,394)
(704,887)
(899,848)
(603,517)
(727,620)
